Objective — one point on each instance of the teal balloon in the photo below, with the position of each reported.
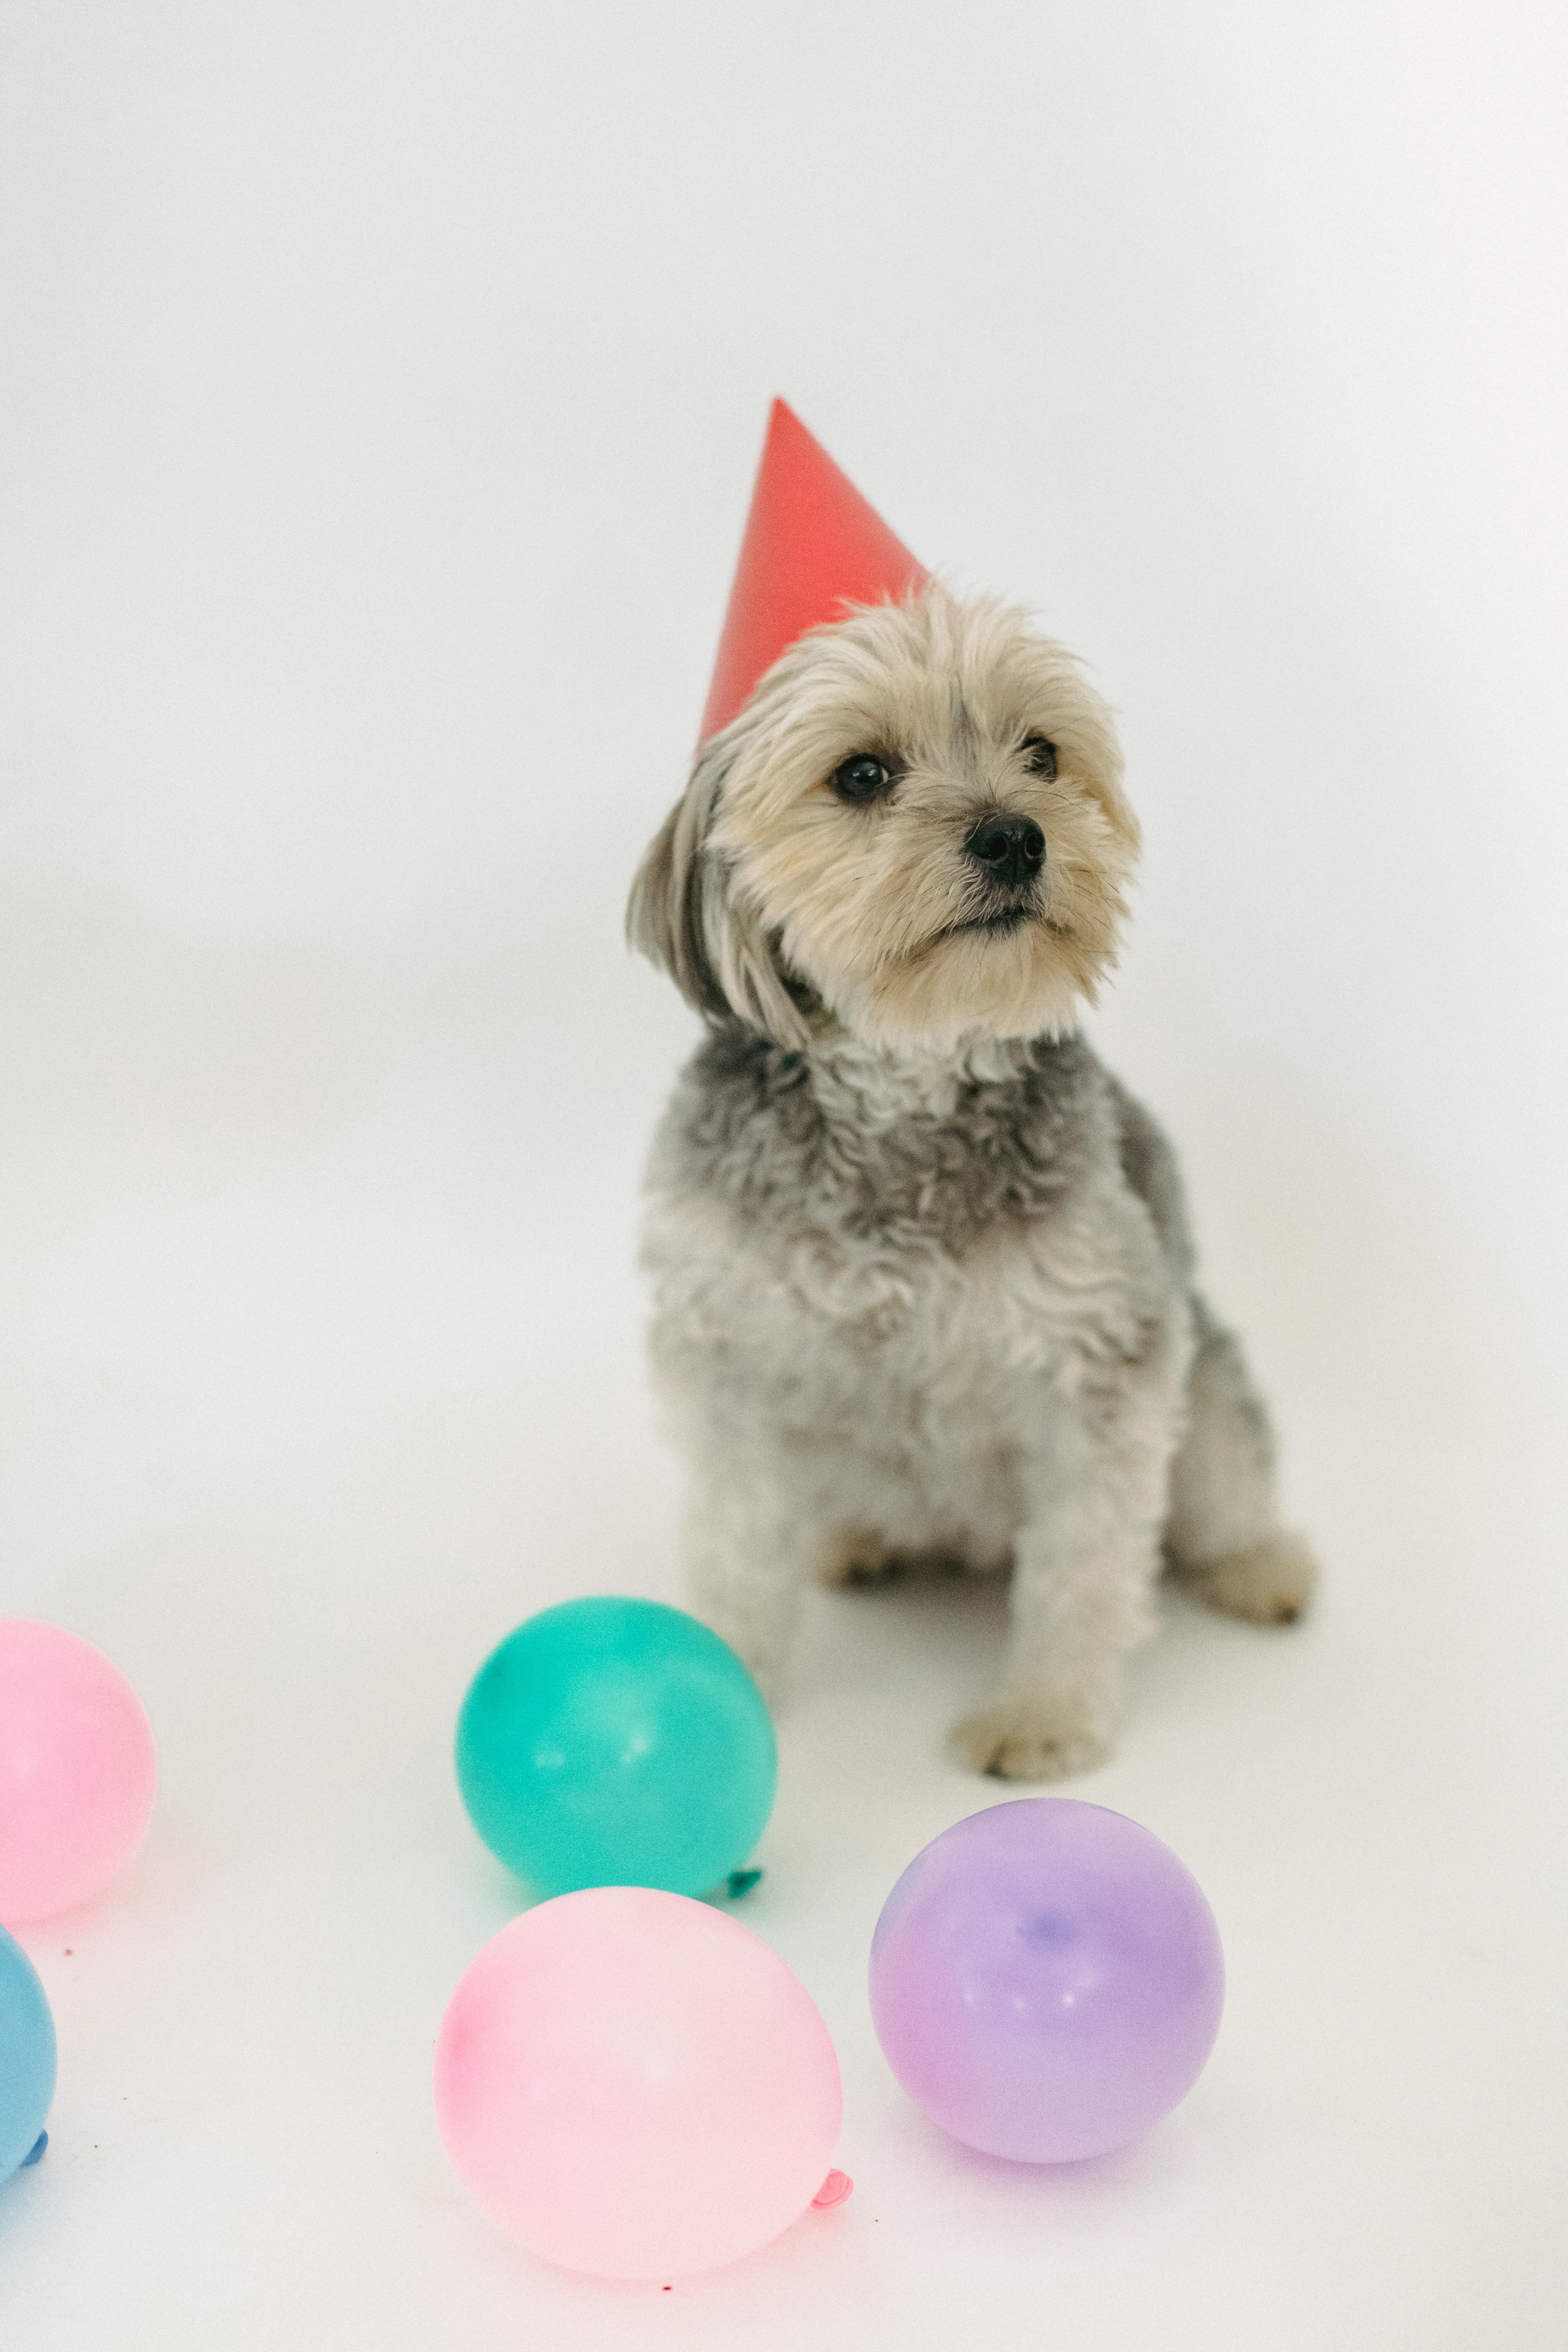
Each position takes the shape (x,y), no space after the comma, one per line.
(616,1743)
(26,2057)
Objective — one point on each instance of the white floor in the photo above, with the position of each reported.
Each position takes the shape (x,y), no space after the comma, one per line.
(323,1369)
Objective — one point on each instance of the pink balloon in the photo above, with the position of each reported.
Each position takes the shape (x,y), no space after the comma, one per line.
(634,2085)
(78,1770)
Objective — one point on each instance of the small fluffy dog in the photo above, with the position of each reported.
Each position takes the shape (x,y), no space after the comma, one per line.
(923,1279)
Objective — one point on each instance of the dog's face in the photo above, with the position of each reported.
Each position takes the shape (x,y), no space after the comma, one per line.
(916,825)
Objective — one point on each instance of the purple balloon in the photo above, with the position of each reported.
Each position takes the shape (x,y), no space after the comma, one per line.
(1047,1980)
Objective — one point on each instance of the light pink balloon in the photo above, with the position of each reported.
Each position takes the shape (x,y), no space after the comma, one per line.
(78,1770)
(635,2085)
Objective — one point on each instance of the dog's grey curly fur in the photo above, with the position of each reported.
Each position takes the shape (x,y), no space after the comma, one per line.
(923,1274)
(750,1124)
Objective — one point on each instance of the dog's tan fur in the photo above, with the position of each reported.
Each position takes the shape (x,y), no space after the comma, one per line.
(859,898)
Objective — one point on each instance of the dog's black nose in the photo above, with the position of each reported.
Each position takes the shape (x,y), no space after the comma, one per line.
(1010,848)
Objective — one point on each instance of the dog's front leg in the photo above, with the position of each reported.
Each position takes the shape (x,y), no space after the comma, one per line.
(1086,1559)
(750,1546)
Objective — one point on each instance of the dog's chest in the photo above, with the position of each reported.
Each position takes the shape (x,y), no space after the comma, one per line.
(840,1315)
(891,1267)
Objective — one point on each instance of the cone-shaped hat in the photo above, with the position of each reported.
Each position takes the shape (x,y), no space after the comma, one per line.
(812,546)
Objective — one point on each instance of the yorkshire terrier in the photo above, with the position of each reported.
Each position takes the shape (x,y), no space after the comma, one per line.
(923,1271)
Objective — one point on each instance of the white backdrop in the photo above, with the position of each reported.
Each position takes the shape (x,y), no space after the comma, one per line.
(382,389)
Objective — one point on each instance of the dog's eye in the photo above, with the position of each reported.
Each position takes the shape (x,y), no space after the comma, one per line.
(1040,754)
(863,778)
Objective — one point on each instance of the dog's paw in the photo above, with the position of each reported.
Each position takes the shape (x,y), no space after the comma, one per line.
(1014,1742)
(857,1560)
(1271,1584)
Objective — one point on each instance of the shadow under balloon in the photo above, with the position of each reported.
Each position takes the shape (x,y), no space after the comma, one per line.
(19,2186)
(817,2233)
(1149,2164)
(1008,2193)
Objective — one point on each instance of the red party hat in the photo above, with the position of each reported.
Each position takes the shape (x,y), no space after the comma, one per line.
(812,546)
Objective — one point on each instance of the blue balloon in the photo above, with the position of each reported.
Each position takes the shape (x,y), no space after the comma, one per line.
(614,1742)
(26,2058)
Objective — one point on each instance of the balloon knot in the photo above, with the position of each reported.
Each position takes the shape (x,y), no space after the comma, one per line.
(741,1881)
(834,2190)
(36,2151)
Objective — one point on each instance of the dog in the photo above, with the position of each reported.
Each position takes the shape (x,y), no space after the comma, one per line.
(922,1271)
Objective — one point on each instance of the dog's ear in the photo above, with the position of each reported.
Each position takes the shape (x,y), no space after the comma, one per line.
(682,916)
(665,919)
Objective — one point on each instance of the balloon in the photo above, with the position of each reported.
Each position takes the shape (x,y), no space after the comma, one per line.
(26,2057)
(634,2085)
(613,1742)
(78,1770)
(1047,1980)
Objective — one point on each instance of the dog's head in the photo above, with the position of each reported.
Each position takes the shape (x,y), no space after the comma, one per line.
(915,827)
